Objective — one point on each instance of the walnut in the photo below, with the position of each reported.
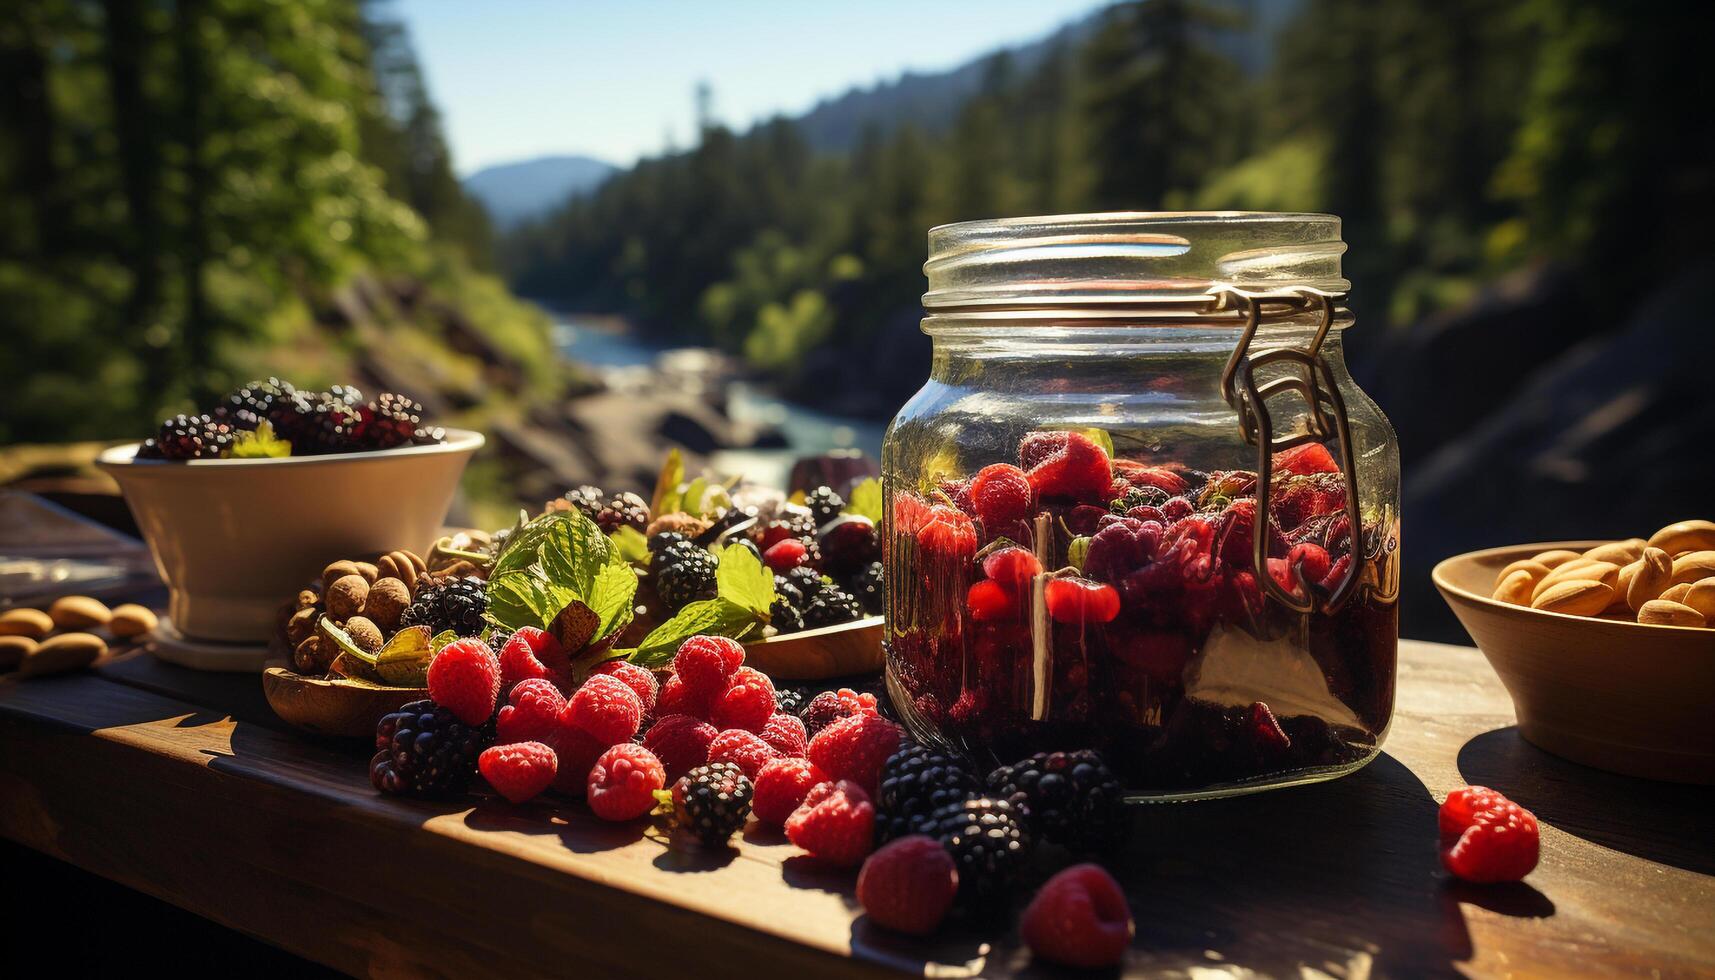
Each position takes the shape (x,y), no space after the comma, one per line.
(345,597)
(387,600)
(364,633)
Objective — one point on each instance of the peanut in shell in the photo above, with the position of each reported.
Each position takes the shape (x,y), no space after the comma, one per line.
(131,620)
(1575,597)
(1605,572)
(32,623)
(1556,557)
(1684,536)
(1701,597)
(1621,553)
(1515,587)
(1693,567)
(1653,574)
(62,652)
(1660,612)
(78,612)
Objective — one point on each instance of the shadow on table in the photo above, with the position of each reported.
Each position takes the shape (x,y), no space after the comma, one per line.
(1663,822)
(1339,877)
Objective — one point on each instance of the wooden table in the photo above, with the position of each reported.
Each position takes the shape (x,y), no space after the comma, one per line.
(184,786)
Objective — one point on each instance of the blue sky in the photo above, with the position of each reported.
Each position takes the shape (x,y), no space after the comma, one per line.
(522,78)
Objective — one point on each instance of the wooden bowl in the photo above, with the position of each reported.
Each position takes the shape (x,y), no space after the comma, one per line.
(1620,696)
(832,651)
(343,707)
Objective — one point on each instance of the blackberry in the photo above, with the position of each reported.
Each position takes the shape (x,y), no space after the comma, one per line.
(915,782)
(347,395)
(424,750)
(712,801)
(150,449)
(683,574)
(248,406)
(1069,798)
(586,500)
(313,422)
(865,586)
(456,604)
(622,510)
(824,504)
(390,420)
(663,540)
(497,639)
(831,606)
(790,524)
(808,582)
(826,708)
(785,617)
(988,841)
(789,700)
(193,437)
(432,435)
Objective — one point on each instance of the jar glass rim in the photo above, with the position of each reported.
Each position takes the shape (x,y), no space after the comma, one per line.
(1116,258)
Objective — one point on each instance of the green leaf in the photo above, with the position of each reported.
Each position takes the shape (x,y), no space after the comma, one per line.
(613,597)
(1101,438)
(441,639)
(691,501)
(865,500)
(260,443)
(742,579)
(631,544)
(666,497)
(404,660)
(548,563)
(525,598)
(719,616)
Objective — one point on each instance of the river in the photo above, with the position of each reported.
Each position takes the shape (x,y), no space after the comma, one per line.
(808,431)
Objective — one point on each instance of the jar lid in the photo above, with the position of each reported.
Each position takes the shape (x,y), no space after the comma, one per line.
(1129,257)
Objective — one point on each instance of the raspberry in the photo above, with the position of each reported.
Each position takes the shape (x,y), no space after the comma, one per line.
(786,734)
(1486,837)
(747,703)
(577,750)
(1012,567)
(830,706)
(786,555)
(989,601)
(1143,475)
(677,698)
(1299,498)
(1177,508)
(1309,458)
(1313,559)
(1079,918)
(1001,494)
(605,708)
(533,653)
(1067,465)
(1077,600)
(1120,548)
(909,885)
(520,771)
(464,678)
(681,742)
(744,749)
(622,783)
(948,534)
(835,823)
(781,787)
(704,663)
(641,680)
(856,748)
(531,713)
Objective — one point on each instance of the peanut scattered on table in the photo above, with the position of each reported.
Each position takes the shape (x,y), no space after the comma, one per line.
(36,642)
(1668,580)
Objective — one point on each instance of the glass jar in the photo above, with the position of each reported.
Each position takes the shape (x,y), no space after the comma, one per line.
(1077,551)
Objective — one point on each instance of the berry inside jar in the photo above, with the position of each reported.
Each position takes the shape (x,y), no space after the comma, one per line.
(1069,599)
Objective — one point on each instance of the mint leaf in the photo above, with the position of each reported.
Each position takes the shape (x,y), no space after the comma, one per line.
(547,564)
(575,550)
(525,598)
(865,500)
(613,596)
(742,579)
(666,497)
(691,501)
(260,443)
(719,616)
(630,543)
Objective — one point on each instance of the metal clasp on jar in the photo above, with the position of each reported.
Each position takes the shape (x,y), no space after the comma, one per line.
(1308,375)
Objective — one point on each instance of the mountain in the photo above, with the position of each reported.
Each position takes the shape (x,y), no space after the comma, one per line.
(516,192)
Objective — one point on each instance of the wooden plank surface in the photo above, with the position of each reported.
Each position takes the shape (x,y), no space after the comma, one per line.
(182,785)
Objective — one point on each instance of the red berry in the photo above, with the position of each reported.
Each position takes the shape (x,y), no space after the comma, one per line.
(1079,918)
(1138,474)
(747,703)
(1001,494)
(531,653)
(641,680)
(681,742)
(1299,498)
(1120,548)
(1067,465)
(855,748)
(464,678)
(988,601)
(949,535)
(622,783)
(577,751)
(1177,508)
(1012,567)
(909,885)
(704,663)
(744,749)
(781,786)
(835,823)
(1486,837)
(1309,458)
(520,771)
(605,708)
(830,706)
(1077,600)
(1312,559)
(531,713)
(677,698)
(786,555)
(787,734)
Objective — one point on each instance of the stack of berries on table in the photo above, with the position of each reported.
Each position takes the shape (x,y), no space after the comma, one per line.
(1071,600)
(276,418)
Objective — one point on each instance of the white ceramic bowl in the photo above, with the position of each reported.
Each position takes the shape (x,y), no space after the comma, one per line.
(235,538)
